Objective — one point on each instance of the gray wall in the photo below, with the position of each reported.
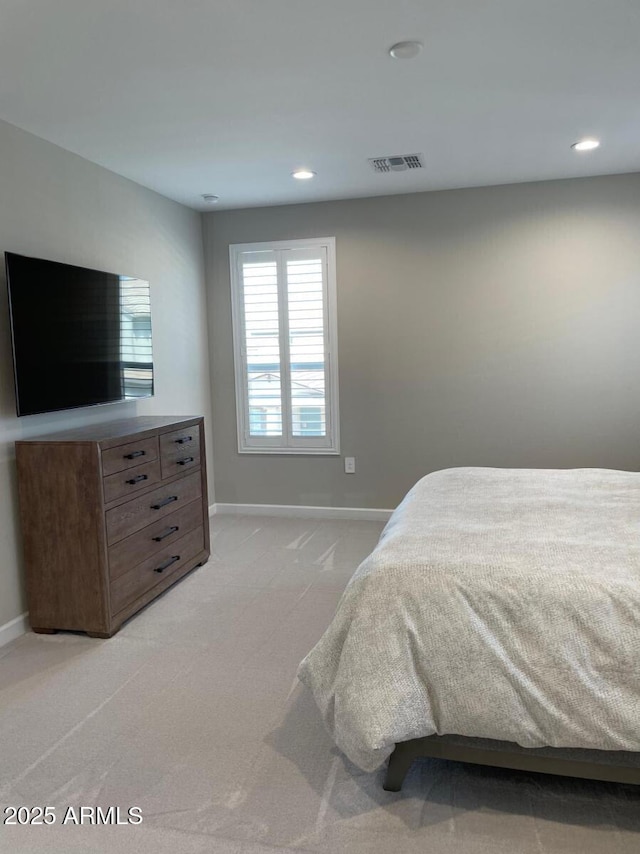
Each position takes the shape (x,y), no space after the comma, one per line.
(56,205)
(486,327)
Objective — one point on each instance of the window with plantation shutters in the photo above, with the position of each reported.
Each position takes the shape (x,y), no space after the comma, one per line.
(284,329)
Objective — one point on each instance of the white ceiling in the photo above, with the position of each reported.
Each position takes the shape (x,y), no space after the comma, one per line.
(228,96)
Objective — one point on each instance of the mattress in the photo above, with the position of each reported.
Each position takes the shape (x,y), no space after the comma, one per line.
(499,604)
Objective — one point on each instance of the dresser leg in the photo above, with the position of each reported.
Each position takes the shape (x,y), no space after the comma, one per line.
(102,635)
(43,631)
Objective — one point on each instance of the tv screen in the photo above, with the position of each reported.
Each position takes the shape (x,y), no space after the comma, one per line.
(80,337)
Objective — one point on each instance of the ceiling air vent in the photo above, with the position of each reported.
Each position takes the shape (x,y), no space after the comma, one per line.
(396,163)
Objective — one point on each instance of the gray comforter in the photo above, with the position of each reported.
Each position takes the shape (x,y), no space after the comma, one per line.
(499,603)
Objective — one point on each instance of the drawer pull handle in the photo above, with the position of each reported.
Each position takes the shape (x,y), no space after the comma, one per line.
(184,440)
(134,454)
(167,563)
(138,479)
(184,461)
(165,534)
(164,503)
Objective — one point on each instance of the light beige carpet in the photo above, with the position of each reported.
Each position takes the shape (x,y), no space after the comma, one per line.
(192,714)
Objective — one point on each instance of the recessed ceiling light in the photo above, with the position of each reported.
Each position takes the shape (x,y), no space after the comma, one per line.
(405,50)
(303,174)
(210,199)
(585,145)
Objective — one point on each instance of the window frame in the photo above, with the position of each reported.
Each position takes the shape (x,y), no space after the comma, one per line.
(286,444)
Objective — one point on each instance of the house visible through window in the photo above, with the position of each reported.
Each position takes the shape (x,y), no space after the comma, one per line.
(285,346)
(309,420)
(258,420)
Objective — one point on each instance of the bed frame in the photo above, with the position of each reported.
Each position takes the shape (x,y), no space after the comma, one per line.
(614,767)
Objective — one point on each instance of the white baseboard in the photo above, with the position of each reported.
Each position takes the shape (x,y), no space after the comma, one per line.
(306,512)
(13,629)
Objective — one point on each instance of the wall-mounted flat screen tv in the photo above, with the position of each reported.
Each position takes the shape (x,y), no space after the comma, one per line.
(80,337)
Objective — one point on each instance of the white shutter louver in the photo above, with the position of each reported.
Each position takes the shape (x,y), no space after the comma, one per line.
(306,313)
(262,344)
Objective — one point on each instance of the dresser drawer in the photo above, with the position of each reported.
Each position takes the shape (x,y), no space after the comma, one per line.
(154,538)
(129,455)
(179,450)
(140,512)
(150,572)
(131,481)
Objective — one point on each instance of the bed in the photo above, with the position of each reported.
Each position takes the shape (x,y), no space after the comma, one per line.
(496,621)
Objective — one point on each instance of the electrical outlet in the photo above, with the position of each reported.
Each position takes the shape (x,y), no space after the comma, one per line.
(349,465)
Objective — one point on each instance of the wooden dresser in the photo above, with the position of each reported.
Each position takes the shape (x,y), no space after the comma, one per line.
(112,515)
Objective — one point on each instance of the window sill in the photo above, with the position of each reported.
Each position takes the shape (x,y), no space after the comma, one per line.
(288,452)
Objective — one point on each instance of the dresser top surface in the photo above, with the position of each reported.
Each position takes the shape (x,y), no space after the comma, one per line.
(110,432)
